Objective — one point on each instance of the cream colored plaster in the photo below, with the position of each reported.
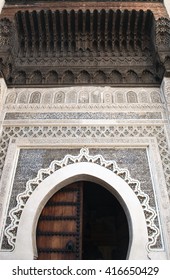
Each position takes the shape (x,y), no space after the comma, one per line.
(6,182)
(1,4)
(167,5)
(3,92)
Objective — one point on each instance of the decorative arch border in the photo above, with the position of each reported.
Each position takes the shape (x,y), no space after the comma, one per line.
(84,157)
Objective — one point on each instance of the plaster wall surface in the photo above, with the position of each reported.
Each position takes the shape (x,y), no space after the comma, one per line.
(128,125)
(1,4)
(167,5)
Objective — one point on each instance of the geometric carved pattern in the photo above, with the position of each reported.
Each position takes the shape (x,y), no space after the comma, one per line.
(90,132)
(93,132)
(4,32)
(15,213)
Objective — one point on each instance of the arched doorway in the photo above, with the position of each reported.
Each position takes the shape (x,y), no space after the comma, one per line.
(82,221)
(68,174)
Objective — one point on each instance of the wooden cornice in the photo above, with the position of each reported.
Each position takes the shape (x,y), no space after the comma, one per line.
(65,47)
(70,31)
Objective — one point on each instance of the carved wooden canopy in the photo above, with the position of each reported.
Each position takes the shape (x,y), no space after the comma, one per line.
(63,47)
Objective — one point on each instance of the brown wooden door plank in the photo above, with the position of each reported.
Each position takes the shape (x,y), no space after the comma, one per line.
(59,228)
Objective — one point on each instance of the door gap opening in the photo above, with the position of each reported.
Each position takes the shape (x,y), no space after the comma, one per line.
(105,226)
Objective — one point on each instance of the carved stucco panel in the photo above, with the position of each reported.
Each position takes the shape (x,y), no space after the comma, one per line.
(84,156)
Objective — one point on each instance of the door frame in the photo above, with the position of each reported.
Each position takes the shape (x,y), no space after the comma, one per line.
(82,171)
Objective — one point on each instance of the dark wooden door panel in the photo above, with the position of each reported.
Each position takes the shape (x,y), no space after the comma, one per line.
(59,227)
(56,256)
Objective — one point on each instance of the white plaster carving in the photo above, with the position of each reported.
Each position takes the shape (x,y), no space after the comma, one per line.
(23,97)
(2,2)
(11,97)
(90,95)
(132,97)
(95,131)
(155,97)
(3,92)
(84,156)
(84,107)
(66,175)
(165,89)
(89,131)
(167,5)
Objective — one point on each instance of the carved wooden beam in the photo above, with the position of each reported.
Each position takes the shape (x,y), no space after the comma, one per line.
(156,6)
(77,47)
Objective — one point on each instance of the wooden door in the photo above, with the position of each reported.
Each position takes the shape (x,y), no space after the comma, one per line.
(87,205)
(59,228)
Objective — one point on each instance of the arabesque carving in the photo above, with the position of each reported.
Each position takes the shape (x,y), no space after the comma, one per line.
(5,32)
